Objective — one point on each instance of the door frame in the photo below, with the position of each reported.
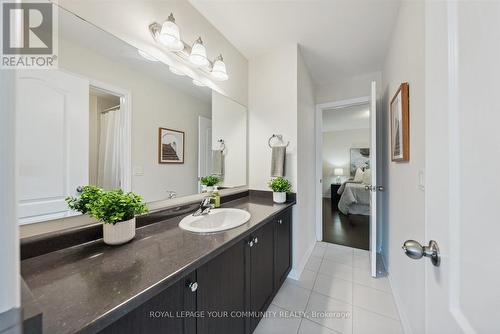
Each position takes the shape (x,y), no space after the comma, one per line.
(318,128)
(200,118)
(126,129)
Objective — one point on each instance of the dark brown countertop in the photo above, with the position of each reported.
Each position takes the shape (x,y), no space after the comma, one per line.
(84,288)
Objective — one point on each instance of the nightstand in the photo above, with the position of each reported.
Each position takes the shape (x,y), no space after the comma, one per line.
(335,198)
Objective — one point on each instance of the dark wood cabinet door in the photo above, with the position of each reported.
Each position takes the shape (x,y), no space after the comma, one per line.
(161,314)
(221,289)
(262,270)
(283,260)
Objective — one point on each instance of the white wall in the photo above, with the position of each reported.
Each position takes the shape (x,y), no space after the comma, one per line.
(347,88)
(9,237)
(129,20)
(229,122)
(281,101)
(336,152)
(305,232)
(272,107)
(405,206)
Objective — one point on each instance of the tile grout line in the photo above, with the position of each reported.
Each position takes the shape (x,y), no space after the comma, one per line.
(309,298)
(310,292)
(317,273)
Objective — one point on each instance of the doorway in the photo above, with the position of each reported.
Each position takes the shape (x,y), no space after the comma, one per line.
(110,142)
(346,173)
(104,139)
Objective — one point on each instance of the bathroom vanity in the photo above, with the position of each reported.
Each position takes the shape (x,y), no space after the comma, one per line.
(166,280)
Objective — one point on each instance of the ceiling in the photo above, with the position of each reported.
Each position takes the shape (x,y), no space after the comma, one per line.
(348,118)
(338,38)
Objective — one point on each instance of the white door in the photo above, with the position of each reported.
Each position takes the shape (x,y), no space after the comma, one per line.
(204,147)
(462,159)
(51,142)
(374,183)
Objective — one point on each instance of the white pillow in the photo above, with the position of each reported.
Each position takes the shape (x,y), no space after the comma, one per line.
(358,177)
(367,176)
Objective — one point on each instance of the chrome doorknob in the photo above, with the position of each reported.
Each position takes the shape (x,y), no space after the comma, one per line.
(380,188)
(414,250)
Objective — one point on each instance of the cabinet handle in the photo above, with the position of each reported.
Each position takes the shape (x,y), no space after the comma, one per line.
(255,240)
(280,221)
(250,243)
(193,286)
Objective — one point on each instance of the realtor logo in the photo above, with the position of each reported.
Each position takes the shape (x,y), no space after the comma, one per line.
(29,35)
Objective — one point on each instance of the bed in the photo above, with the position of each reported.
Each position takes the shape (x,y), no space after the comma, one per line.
(354,198)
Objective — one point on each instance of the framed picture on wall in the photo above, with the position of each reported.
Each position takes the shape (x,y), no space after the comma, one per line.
(400,124)
(360,158)
(170,146)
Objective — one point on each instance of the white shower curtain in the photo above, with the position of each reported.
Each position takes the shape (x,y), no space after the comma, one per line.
(109,166)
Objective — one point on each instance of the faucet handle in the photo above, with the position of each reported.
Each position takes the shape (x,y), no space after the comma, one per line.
(171,194)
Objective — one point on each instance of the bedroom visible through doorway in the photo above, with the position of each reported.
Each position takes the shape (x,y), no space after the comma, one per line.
(345,173)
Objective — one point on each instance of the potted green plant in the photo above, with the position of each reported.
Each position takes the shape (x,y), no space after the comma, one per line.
(280,186)
(86,195)
(209,182)
(116,209)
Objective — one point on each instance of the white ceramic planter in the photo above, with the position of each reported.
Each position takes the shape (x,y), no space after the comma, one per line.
(119,233)
(279,197)
(210,189)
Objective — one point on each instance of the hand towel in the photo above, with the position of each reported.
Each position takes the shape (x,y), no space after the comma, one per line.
(217,162)
(278,158)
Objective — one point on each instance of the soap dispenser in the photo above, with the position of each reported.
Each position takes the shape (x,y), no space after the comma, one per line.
(215,199)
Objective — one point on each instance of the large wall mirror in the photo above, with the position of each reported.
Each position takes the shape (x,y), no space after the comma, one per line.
(114,117)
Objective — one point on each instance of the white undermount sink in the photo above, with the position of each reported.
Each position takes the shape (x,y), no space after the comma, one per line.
(216,220)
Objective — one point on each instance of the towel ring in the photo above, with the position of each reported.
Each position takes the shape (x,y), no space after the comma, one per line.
(280,138)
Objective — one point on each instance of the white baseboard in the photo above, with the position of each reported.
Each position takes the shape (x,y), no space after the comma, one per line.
(297,271)
(402,315)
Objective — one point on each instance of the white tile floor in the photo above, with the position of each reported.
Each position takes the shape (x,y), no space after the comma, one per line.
(336,280)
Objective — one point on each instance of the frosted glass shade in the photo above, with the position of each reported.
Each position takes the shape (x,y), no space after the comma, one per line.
(219,70)
(170,35)
(198,54)
(338,171)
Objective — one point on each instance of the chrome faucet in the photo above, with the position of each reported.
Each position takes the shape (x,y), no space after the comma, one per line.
(204,208)
(171,194)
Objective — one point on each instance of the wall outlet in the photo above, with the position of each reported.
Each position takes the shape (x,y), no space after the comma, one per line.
(138,171)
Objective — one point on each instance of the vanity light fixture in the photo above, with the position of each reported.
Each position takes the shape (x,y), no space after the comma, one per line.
(147,56)
(195,55)
(198,83)
(198,55)
(176,71)
(170,35)
(219,69)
